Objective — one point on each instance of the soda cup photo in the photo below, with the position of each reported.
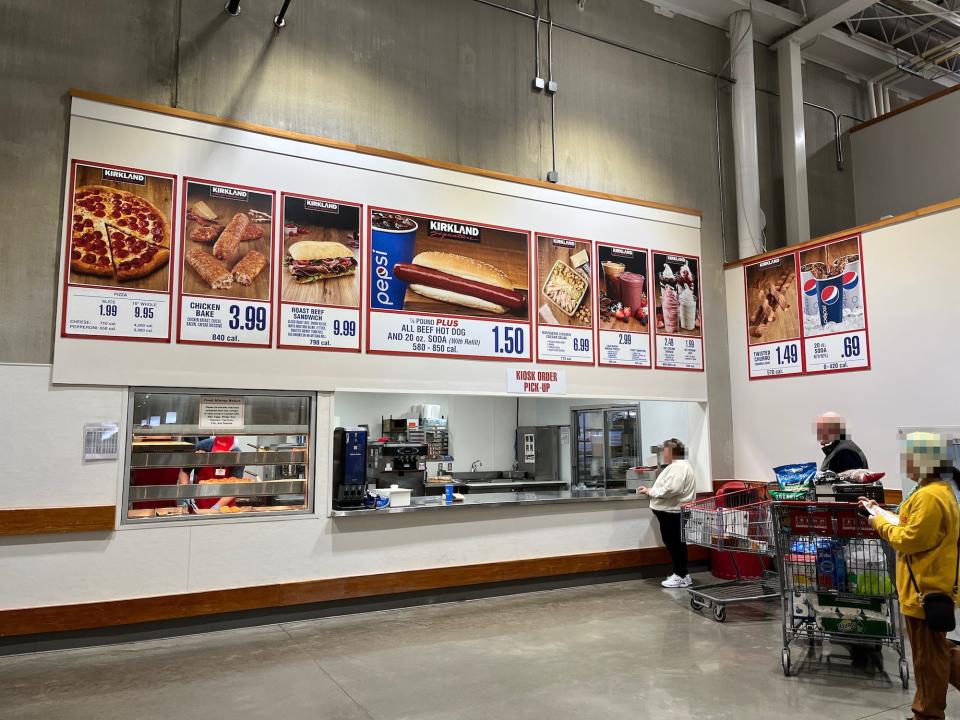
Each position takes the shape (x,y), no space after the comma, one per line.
(830,297)
(392,241)
(852,287)
(809,291)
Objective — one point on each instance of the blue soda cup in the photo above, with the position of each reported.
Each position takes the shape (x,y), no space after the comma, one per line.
(448,494)
(830,299)
(392,241)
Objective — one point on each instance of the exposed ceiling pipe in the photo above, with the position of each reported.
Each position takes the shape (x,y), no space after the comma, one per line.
(232,7)
(279,21)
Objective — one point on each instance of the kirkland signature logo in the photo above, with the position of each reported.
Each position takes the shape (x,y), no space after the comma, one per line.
(453,231)
(563,242)
(228,192)
(621,252)
(125,177)
(321,206)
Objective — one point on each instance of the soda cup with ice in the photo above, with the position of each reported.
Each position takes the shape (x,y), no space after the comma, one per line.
(808,289)
(392,241)
(852,285)
(830,296)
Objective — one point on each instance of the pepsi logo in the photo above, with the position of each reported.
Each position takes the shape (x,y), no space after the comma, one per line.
(850,280)
(830,294)
(810,287)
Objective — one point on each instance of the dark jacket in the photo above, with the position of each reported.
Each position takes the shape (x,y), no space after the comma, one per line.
(843,454)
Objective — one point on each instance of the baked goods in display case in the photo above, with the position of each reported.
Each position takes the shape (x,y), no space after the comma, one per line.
(180,469)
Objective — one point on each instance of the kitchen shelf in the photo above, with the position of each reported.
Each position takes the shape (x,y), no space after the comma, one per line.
(216,490)
(218,459)
(197,431)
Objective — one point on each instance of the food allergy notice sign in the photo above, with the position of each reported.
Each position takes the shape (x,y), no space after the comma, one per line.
(440,287)
(219,414)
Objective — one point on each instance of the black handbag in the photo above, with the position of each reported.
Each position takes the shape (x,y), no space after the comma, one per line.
(938,607)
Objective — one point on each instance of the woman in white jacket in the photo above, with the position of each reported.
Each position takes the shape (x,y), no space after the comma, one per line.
(674,486)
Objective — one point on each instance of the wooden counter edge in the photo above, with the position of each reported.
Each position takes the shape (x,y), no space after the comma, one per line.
(42,521)
(367,150)
(83,616)
(859,229)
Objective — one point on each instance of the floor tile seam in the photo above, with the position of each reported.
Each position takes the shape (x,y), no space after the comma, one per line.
(316,661)
(905,708)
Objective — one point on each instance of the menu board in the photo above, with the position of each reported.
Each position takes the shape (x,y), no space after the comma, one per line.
(322,266)
(623,327)
(565,328)
(678,334)
(443,287)
(806,311)
(773,317)
(834,307)
(226,256)
(119,237)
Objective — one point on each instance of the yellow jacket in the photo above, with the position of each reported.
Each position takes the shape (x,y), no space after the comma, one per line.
(927,534)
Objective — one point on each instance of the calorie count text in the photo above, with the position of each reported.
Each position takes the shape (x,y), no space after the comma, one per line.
(686,354)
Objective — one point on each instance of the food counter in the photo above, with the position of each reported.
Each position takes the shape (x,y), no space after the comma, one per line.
(504,499)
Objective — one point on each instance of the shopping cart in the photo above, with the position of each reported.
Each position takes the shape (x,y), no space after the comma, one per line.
(835,579)
(734,521)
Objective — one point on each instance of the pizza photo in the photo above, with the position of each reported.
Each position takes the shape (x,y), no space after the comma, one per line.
(120,229)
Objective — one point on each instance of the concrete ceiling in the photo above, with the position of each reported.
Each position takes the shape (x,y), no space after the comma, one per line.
(861,39)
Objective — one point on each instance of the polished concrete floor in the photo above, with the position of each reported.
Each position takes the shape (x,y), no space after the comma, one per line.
(620,650)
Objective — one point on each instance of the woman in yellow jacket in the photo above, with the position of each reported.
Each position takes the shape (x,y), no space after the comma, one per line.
(926,537)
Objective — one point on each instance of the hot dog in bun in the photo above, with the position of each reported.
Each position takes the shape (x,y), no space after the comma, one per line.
(312,260)
(461,280)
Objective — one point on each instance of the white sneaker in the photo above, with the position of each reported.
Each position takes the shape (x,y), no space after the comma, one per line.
(674,581)
(686,582)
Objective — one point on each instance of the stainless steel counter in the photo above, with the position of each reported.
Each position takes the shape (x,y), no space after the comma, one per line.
(486,500)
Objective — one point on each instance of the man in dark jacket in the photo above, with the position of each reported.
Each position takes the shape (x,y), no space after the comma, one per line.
(841,452)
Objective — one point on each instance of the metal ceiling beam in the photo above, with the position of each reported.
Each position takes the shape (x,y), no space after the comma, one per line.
(826,21)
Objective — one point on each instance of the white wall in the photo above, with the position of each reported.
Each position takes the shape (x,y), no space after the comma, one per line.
(907,161)
(909,272)
(42,438)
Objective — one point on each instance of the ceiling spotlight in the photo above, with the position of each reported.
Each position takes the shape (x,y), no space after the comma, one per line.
(279,21)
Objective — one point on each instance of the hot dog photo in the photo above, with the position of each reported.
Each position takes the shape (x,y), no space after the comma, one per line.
(447,267)
(227,232)
(321,252)
(677,281)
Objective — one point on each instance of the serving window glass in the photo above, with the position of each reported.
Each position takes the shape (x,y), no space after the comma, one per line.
(217,454)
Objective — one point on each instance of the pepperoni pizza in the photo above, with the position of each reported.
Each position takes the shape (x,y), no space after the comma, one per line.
(117,234)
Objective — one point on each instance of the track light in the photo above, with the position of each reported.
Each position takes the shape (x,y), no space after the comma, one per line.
(232,7)
(279,20)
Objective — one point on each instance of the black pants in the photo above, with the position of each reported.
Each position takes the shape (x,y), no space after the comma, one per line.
(673,539)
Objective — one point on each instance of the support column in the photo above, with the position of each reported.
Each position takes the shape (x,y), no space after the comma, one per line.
(746,163)
(793,143)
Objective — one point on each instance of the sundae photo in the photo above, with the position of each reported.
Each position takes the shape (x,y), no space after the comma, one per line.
(677,292)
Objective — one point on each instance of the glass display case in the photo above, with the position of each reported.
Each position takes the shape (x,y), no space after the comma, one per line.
(213,454)
(607,445)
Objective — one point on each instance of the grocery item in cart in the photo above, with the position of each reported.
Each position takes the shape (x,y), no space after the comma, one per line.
(831,565)
(795,476)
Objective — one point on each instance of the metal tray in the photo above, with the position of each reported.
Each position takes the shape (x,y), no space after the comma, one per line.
(214,490)
(218,459)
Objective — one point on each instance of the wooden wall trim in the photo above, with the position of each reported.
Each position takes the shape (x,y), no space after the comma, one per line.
(367,150)
(42,521)
(867,227)
(83,616)
(903,108)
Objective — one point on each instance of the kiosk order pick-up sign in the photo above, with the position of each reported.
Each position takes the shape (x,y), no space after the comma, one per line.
(536,381)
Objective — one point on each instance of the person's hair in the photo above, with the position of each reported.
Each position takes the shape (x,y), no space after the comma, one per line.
(676,448)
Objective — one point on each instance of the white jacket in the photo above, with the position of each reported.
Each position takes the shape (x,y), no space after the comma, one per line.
(675,485)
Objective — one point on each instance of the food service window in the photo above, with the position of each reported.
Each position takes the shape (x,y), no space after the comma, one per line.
(217,454)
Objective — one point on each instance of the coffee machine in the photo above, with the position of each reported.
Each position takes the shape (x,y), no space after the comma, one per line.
(403,464)
(349,467)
